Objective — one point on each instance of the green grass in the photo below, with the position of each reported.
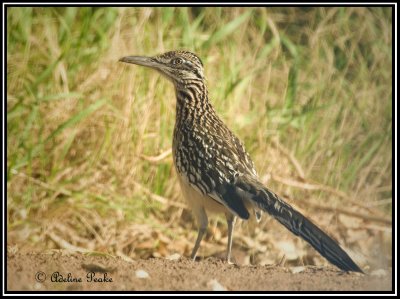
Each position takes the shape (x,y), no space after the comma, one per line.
(318,80)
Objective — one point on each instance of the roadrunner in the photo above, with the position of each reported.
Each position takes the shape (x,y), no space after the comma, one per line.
(215,172)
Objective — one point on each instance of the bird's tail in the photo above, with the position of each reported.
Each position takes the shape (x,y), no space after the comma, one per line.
(296,223)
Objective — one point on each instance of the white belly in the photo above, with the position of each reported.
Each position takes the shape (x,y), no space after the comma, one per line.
(197,200)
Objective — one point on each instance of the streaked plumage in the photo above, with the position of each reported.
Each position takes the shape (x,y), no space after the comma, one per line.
(215,172)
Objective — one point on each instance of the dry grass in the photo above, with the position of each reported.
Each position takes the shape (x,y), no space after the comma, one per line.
(308,90)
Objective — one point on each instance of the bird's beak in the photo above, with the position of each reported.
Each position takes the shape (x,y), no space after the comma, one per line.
(148,62)
(140,60)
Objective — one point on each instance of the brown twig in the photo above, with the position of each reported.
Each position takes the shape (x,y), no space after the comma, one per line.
(64,244)
(159,198)
(316,186)
(294,161)
(156,159)
(381,202)
(346,212)
(376,227)
(42,184)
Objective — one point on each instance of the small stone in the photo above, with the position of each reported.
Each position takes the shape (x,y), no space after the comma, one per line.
(141,274)
(216,286)
(378,273)
(296,270)
(174,257)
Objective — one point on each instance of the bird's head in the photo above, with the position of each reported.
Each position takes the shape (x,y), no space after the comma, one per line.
(177,66)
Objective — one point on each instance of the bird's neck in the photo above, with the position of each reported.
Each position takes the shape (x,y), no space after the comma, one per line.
(192,101)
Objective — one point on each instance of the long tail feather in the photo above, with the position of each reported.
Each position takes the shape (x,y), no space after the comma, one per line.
(296,223)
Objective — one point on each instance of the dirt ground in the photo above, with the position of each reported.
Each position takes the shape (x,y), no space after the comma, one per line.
(59,271)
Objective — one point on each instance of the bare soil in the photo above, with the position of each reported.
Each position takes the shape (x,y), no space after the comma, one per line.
(79,272)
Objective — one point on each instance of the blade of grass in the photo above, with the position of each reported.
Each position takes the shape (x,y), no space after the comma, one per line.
(60,96)
(76,118)
(226,30)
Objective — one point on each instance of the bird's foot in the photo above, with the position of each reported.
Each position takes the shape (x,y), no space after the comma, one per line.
(230,261)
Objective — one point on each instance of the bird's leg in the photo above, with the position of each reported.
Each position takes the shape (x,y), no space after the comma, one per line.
(202,220)
(197,245)
(230,219)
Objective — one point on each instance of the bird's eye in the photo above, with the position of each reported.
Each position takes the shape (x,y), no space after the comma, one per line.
(177,61)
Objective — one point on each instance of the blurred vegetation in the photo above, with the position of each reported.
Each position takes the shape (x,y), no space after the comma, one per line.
(309,91)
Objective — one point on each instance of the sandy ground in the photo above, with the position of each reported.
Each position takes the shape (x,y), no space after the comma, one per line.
(77,271)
